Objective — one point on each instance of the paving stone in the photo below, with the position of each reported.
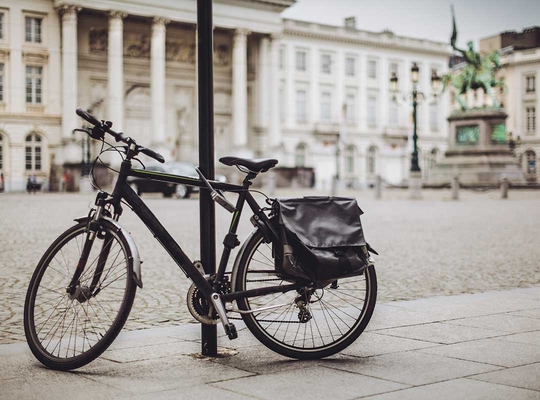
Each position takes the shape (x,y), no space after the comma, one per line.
(460,389)
(527,338)
(526,377)
(374,344)
(56,386)
(411,367)
(312,383)
(161,374)
(193,392)
(532,313)
(152,352)
(500,322)
(441,333)
(490,351)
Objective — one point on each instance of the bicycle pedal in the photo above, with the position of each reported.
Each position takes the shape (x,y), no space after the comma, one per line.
(231,331)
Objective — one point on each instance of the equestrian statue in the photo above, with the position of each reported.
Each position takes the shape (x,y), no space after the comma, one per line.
(479,72)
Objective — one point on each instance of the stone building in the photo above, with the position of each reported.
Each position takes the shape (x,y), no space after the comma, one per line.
(520,56)
(283,88)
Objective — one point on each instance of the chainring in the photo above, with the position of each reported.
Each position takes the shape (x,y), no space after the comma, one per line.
(200,309)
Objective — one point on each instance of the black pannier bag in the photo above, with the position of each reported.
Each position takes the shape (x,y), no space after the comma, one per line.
(321,238)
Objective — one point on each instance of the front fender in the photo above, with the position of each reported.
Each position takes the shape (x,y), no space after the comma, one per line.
(135,258)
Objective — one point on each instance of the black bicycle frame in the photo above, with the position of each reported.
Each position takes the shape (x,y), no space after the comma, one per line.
(122,190)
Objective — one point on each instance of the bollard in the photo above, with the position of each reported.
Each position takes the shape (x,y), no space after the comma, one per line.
(455,188)
(378,187)
(504,187)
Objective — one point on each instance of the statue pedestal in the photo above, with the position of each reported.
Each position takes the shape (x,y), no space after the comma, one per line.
(477,149)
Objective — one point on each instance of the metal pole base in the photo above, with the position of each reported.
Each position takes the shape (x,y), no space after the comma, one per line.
(415,185)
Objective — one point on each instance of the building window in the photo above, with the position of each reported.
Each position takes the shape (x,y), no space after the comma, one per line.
(530,157)
(393,113)
(33,29)
(394,68)
(300,155)
(33,152)
(434,117)
(33,84)
(326,64)
(1,83)
(372,69)
(326,104)
(530,84)
(350,66)
(350,103)
(281,58)
(372,160)
(1,25)
(372,110)
(301,61)
(282,103)
(530,119)
(301,106)
(349,159)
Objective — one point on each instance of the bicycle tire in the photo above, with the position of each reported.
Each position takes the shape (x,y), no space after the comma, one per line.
(115,291)
(293,343)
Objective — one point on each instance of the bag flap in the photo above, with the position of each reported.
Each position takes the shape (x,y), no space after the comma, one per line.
(323,222)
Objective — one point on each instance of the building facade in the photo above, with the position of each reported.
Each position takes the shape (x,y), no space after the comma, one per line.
(520,56)
(311,95)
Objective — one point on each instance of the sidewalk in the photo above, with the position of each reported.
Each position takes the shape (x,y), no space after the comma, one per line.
(475,346)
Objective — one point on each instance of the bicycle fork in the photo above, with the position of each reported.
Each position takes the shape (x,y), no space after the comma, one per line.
(74,289)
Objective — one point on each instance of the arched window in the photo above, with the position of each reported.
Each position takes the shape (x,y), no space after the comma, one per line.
(300,156)
(372,160)
(33,152)
(350,152)
(530,157)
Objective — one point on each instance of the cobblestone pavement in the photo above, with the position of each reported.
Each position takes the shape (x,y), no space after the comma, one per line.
(427,248)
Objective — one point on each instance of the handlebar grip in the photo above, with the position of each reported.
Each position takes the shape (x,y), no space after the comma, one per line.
(151,153)
(87,117)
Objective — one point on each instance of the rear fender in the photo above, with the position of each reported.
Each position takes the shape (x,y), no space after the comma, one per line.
(135,259)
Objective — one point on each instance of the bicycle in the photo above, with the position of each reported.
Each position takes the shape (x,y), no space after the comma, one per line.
(83,288)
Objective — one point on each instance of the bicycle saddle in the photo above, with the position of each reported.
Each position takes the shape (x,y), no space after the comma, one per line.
(257,165)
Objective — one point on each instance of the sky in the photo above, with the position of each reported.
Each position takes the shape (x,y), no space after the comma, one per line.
(427,19)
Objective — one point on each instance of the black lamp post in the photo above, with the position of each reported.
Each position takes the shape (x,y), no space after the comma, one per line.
(416,97)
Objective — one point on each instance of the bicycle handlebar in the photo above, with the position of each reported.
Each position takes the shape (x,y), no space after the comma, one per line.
(105,126)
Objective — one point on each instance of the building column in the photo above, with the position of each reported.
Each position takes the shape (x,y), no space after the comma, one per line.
(263,77)
(239,90)
(69,69)
(275,85)
(157,85)
(116,69)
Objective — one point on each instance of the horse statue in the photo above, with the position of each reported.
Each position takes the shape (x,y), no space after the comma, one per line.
(479,72)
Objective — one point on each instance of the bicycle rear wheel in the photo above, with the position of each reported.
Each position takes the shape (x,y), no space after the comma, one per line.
(66,331)
(300,324)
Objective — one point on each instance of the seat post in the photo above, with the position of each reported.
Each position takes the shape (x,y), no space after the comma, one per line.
(247,180)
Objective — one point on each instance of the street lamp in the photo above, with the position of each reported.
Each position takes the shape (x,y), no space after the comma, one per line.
(416,98)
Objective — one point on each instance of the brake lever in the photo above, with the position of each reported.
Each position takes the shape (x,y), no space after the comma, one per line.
(217,197)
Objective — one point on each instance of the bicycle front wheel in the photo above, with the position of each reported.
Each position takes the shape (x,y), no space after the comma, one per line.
(302,324)
(68,330)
